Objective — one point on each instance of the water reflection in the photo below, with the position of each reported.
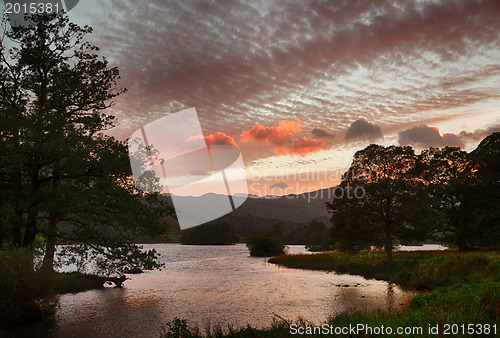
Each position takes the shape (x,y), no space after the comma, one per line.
(216,284)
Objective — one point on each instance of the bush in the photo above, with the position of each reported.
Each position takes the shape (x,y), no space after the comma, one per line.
(209,234)
(265,245)
(26,295)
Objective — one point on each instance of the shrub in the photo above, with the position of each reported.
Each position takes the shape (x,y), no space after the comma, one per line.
(26,295)
(265,245)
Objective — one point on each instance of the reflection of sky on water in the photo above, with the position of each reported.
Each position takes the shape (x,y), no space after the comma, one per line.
(217,284)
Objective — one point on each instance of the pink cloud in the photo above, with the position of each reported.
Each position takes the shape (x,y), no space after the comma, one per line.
(303,146)
(217,138)
(277,135)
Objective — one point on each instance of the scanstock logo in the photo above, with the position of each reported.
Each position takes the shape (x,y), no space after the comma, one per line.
(170,155)
(17,9)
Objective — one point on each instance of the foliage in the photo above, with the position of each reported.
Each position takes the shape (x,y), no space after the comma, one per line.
(265,245)
(458,304)
(26,295)
(391,205)
(179,328)
(60,176)
(209,234)
(486,199)
(423,270)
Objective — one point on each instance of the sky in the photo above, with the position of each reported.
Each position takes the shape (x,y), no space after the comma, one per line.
(300,86)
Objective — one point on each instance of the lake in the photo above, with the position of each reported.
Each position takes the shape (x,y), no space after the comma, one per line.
(215,285)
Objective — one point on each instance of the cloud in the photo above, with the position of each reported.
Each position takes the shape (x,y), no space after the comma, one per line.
(239,62)
(479,134)
(217,138)
(281,138)
(303,146)
(425,137)
(220,139)
(363,130)
(276,135)
(322,133)
(200,173)
(280,185)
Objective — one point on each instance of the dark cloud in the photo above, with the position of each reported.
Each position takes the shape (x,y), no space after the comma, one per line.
(242,63)
(479,134)
(200,173)
(425,137)
(362,130)
(322,133)
(280,185)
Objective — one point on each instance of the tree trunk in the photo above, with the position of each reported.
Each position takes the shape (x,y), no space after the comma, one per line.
(31,231)
(50,247)
(2,235)
(388,248)
(16,229)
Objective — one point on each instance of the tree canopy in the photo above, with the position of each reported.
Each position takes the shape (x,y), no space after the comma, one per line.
(58,169)
(443,194)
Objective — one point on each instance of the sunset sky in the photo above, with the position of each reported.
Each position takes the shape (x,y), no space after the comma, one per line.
(300,86)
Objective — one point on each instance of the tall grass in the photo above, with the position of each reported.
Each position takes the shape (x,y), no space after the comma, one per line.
(425,270)
(25,295)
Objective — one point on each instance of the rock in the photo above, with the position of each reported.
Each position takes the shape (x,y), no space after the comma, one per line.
(134,271)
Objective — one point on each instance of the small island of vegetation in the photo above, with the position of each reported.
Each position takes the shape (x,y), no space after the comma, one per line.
(209,234)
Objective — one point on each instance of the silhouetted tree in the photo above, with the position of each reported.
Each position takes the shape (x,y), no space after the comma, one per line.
(378,202)
(217,233)
(56,164)
(265,245)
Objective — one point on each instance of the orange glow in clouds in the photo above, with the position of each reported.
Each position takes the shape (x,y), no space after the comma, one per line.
(277,135)
(303,146)
(216,138)
(281,137)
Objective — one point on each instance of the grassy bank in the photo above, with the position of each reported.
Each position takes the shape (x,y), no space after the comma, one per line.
(422,270)
(464,288)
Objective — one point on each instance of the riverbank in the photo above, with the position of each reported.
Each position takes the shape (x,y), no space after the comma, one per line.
(420,270)
(463,288)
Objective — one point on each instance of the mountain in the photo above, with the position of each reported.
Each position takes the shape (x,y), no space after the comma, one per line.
(301,208)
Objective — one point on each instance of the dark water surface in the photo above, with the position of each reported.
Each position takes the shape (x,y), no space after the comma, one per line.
(214,284)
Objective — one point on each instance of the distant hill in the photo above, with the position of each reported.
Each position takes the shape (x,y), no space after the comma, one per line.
(300,209)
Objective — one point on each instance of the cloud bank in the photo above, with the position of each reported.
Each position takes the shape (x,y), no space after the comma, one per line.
(362,130)
(424,136)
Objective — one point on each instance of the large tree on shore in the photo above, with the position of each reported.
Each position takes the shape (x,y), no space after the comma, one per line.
(380,202)
(56,164)
(466,190)
(447,175)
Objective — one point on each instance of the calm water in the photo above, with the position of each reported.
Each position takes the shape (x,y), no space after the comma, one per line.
(214,284)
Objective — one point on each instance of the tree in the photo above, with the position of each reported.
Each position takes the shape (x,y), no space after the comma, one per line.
(57,167)
(217,233)
(485,163)
(265,245)
(447,176)
(380,202)
(465,190)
